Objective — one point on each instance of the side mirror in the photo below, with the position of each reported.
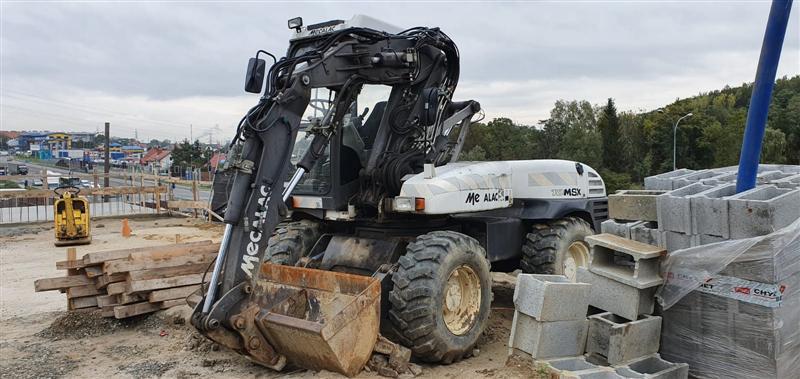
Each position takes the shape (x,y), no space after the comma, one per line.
(255,75)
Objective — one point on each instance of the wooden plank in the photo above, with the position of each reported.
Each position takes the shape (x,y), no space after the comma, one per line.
(102,256)
(72,254)
(116,288)
(42,193)
(155,284)
(173,303)
(107,300)
(125,311)
(187,204)
(127,298)
(82,291)
(93,271)
(49,284)
(70,265)
(172,293)
(158,259)
(82,302)
(107,311)
(104,280)
(167,272)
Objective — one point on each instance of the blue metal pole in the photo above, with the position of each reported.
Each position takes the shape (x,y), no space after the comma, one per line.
(762,94)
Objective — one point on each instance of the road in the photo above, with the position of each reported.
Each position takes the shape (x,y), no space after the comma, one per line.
(181,192)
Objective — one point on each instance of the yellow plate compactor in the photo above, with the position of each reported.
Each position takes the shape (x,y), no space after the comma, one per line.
(71,217)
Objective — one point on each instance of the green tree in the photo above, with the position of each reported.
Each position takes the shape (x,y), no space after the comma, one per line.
(609,132)
(475,154)
(773,149)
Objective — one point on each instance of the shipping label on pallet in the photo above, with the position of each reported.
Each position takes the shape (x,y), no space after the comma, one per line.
(764,294)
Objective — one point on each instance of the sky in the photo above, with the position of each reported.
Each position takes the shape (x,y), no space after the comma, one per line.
(175,70)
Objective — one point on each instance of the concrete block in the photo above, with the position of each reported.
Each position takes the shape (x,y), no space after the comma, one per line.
(633,205)
(633,263)
(792,181)
(646,232)
(548,339)
(673,241)
(709,211)
(721,178)
(663,181)
(617,298)
(653,367)
(704,239)
(762,210)
(620,228)
(578,368)
(674,208)
(695,177)
(551,297)
(767,177)
(620,340)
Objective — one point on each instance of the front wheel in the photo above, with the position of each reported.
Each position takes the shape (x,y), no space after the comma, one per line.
(557,247)
(292,241)
(442,296)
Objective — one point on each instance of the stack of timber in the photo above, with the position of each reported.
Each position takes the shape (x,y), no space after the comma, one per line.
(129,282)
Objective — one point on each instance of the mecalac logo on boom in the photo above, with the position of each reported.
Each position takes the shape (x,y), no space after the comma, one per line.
(251,257)
(322,30)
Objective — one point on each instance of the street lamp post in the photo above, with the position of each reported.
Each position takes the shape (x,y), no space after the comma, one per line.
(674,139)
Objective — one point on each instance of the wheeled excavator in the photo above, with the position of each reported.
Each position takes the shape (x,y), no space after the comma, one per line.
(350,223)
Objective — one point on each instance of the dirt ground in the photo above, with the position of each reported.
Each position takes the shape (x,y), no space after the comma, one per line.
(39,339)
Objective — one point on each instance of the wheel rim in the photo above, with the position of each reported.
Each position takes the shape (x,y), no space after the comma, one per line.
(462,300)
(577,256)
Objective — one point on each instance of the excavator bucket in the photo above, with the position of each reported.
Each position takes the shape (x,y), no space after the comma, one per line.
(320,320)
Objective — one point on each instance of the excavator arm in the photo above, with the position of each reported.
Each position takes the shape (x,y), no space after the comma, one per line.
(420,65)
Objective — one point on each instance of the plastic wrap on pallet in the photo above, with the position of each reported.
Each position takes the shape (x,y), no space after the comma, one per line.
(732,309)
(777,254)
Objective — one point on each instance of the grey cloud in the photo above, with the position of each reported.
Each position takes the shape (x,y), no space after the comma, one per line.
(174,51)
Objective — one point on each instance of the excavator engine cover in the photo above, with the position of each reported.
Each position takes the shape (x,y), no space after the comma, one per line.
(319,319)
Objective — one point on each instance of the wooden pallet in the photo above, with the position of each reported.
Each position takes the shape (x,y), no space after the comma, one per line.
(130,282)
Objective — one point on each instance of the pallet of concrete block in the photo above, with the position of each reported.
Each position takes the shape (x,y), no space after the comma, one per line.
(129,282)
(733,309)
(700,214)
(784,176)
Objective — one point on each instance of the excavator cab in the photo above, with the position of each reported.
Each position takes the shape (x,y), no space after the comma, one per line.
(72,223)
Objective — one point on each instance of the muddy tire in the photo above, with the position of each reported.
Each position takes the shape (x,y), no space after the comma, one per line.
(292,241)
(440,302)
(556,247)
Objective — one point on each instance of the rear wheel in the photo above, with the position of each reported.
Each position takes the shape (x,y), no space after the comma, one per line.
(557,247)
(292,241)
(441,296)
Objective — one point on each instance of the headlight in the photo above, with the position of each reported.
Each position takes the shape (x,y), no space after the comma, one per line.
(404,204)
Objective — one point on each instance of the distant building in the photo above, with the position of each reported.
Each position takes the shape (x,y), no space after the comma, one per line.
(26,141)
(58,141)
(157,160)
(132,151)
(216,160)
(82,137)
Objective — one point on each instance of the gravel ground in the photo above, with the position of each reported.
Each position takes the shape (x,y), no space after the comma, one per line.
(39,339)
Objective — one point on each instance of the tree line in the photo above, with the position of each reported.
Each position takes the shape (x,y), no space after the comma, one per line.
(627,146)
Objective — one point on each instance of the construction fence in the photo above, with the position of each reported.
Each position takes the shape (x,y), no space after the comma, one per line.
(127,195)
